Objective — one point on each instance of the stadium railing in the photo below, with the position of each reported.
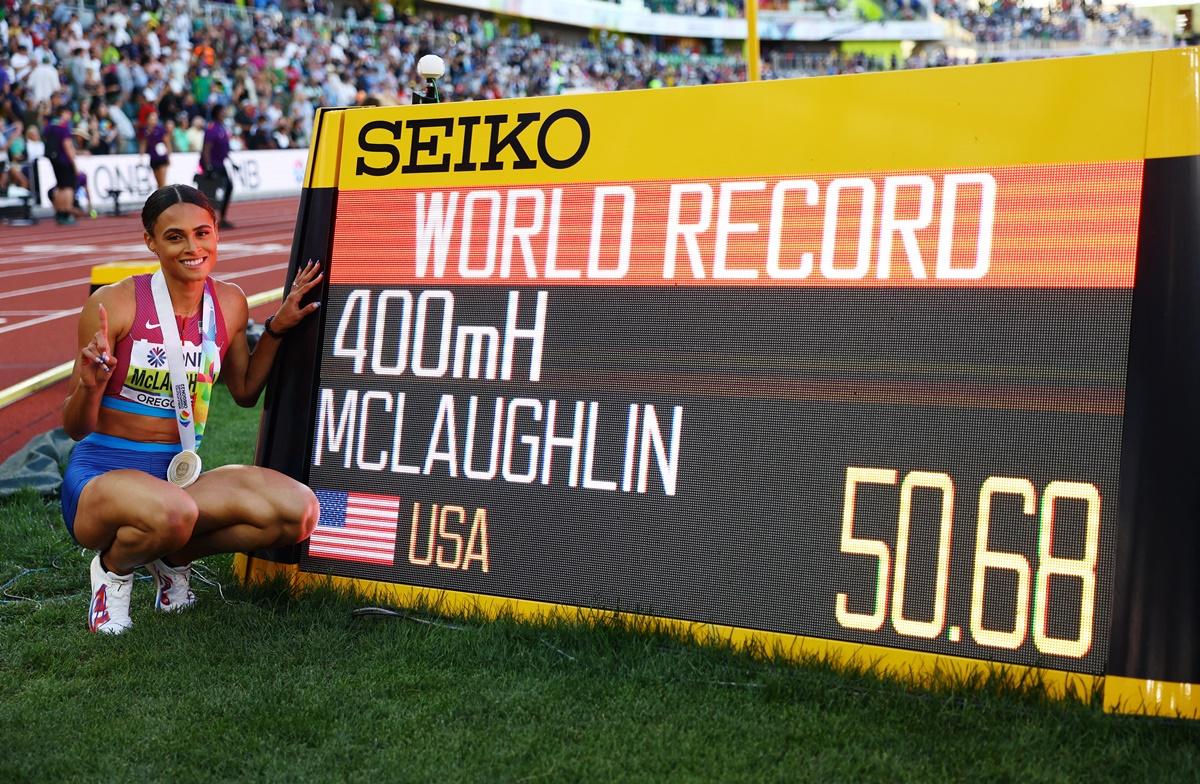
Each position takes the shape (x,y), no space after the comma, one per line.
(1094,41)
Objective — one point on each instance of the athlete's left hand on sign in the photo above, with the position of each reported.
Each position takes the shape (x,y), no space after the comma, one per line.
(292,312)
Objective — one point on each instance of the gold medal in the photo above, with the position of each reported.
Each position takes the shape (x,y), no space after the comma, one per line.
(184,468)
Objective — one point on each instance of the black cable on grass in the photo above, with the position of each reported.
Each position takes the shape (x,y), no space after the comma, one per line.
(559,651)
(4,588)
(383,612)
(12,598)
(202,575)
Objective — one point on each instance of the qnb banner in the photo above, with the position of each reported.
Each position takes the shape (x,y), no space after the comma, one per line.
(255,174)
(689,354)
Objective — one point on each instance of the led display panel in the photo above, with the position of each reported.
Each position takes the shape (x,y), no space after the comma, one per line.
(804,359)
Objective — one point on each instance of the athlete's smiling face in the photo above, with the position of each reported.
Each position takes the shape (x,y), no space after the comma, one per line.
(185,241)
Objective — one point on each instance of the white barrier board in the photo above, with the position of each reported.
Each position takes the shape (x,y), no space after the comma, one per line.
(259,174)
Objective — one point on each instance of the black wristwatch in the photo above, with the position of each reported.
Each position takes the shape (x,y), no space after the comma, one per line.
(269,331)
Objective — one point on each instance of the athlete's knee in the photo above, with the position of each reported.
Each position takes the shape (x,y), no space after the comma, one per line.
(300,515)
(174,522)
(312,513)
(163,526)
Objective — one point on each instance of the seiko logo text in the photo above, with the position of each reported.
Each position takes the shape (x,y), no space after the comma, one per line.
(444,144)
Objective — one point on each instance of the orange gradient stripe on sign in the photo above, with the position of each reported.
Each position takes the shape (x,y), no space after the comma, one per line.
(1048,226)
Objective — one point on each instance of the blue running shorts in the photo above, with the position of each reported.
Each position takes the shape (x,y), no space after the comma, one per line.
(98,454)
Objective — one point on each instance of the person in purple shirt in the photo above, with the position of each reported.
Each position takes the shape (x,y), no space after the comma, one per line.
(61,152)
(213,173)
(157,144)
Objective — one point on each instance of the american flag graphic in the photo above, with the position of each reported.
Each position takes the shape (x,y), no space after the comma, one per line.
(356,527)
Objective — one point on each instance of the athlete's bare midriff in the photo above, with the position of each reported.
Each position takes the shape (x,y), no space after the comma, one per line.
(135,427)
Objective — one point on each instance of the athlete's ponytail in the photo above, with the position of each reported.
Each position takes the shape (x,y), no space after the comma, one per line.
(169,195)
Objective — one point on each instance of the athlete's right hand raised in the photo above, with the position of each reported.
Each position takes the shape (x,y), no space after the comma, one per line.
(95,361)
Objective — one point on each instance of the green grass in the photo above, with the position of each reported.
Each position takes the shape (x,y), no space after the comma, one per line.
(259,685)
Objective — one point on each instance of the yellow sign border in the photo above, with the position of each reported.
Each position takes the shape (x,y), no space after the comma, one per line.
(1082,109)
(1119,694)
(921,668)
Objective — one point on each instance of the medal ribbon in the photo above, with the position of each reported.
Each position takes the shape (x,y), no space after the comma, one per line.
(181,395)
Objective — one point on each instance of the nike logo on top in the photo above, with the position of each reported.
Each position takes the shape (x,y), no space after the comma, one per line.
(151,325)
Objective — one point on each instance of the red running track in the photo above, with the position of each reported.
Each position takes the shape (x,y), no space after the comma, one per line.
(45,278)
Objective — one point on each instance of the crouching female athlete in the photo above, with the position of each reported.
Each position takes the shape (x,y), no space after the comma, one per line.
(116,498)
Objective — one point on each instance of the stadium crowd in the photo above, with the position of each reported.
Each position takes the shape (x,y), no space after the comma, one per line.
(126,68)
(272,69)
(126,71)
(1008,20)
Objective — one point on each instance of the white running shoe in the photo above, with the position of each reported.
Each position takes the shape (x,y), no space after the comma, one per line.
(173,586)
(109,610)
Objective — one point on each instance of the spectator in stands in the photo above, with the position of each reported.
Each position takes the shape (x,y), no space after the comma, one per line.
(85,132)
(104,139)
(10,167)
(35,150)
(60,149)
(20,63)
(178,132)
(77,70)
(43,83)
(192,109)
(126,133)
(117,22)
(281,137)
(110,81)
(195,134)
(11,127)
(168,103)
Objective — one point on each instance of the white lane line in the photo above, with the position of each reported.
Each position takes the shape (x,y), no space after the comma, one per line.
(20,259)
(60,267)
(57,314)
(136,247)
(136,250)
(62,284)
(80,281)
(46,249)
(41,320)
(49,251)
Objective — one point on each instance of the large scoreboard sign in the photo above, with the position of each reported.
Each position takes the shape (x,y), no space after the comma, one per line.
(900,367)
